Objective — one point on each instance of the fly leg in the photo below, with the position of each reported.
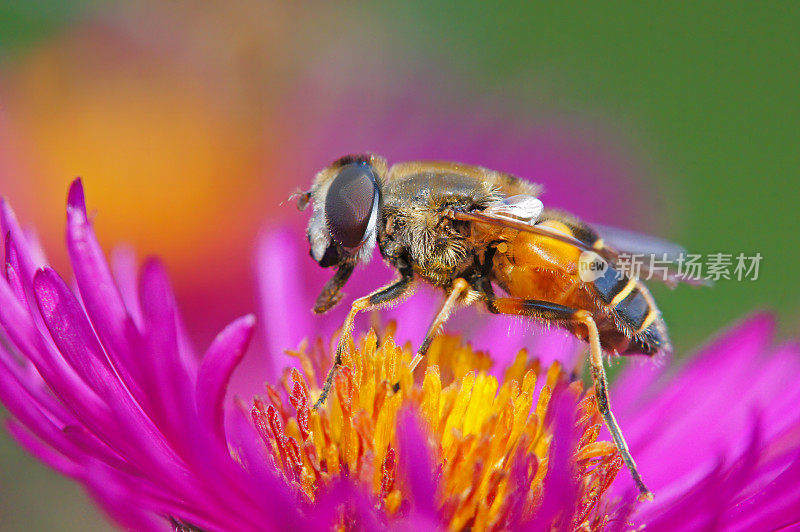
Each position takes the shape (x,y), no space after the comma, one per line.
(460,287)
(603,404)
(559,313)
(376,299)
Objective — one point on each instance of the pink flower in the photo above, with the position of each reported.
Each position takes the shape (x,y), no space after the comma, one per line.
(103,386)
(719,438)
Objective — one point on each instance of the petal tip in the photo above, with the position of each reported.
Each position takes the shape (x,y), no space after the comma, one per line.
(76,200)
(153,265)
(7,217)
(43,274)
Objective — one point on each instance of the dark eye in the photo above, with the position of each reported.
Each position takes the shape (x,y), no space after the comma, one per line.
(348,206)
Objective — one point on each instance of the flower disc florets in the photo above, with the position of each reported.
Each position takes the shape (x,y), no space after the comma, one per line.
(456,442)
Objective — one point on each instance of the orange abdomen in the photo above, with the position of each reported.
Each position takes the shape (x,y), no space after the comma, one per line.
(530,266)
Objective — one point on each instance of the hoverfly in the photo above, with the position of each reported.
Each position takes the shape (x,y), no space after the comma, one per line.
(471,231)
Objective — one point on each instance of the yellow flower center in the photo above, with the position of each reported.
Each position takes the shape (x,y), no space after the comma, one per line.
(480,430)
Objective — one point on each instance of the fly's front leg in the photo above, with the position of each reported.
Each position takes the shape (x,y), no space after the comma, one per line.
(376,299)
(555,312)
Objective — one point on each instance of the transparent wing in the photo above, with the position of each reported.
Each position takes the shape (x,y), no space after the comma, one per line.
(625,241)
(659,259)
(614,246)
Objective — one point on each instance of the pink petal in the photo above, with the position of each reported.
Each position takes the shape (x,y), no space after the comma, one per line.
(98,290)
(417,462)
(221,358)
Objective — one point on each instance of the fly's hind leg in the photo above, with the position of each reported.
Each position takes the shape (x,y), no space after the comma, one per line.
(603,405)
(552,311)
(375,300)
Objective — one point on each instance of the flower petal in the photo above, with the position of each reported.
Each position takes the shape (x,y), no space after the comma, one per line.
(222,357)
(123,264)
(560,485)
(72,332)
(119,499)
(125,428)
(99,292)
(286,321)
(55,459)
(55,371)
(20,404)
(30,259)
(417,462)
(12,269)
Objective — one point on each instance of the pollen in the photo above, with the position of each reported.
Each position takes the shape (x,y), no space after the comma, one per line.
(489,437)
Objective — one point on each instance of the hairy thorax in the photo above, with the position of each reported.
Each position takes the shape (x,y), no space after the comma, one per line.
(414,229)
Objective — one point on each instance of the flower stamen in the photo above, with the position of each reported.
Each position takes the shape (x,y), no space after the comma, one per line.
(492,440)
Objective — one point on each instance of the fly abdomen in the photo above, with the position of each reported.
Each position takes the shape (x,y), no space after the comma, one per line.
(630,302)
(610,284)
(648,341)
(634,308)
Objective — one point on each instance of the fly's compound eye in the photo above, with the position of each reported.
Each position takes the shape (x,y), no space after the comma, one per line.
(350,204)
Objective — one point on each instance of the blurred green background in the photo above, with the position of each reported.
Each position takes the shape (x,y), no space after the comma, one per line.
(707,92)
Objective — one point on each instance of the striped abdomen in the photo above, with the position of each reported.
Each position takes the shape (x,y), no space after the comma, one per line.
(530,266)
(637,326)
(629,301)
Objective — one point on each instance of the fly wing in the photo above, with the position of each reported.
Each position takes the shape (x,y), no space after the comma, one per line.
(492,218)
(521,207)
(631,242)
(653,253)
(614,245)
